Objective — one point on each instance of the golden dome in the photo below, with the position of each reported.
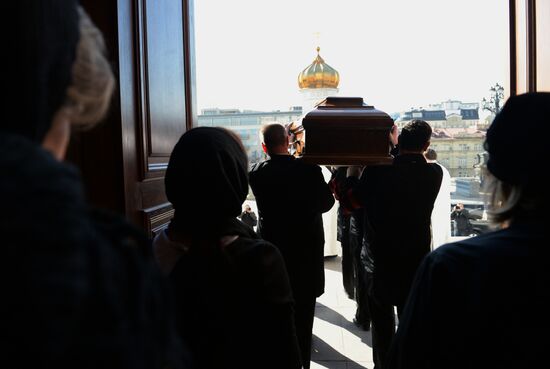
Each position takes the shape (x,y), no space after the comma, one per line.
(319,75)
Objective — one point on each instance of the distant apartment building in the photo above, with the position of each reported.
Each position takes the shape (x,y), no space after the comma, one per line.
(247,124)
(457,134)
(459,150)
(448,114)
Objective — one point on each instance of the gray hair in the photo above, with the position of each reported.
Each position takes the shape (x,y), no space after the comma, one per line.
(507,202)
(501,199)
(92,82)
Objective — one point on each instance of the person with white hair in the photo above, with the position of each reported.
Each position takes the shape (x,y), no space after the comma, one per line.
(80,286)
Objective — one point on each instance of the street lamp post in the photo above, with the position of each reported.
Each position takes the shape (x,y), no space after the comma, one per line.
(497,95)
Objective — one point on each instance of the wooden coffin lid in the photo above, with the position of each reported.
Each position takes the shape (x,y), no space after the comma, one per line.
(346,131)
(346,112)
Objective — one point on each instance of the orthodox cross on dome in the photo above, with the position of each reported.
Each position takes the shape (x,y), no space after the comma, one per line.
(317,37)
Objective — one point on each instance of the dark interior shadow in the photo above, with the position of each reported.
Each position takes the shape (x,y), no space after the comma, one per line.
(331,316)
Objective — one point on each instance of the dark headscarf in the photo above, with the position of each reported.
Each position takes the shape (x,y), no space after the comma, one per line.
(207,179)
(516,139)
(40,49)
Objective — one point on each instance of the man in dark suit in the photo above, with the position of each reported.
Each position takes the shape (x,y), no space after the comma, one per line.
(291,197)
(462,218)
(248,217)
(482,302)
(398,201)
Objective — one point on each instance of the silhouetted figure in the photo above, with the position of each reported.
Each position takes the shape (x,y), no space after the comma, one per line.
(233,298)
(481,302)
(462,218)
(344,217)
(398,201)
(351,229)
(80,286)
(276,183)
(248,217)
(362,317)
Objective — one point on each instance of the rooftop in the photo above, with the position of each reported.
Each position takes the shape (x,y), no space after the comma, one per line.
(452,133)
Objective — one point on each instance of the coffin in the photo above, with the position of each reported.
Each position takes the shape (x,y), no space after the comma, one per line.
(346,131)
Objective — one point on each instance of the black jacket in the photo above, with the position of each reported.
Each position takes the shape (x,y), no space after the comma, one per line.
(463,225)
(398,201)
(234,304)
(291,197)
(80,288)
(479,303)
(249,218)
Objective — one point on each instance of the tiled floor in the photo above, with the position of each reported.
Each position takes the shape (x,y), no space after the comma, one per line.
(337,342)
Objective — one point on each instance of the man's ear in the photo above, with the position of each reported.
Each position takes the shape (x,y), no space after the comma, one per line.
(58,136)
(264,147)
(394,135)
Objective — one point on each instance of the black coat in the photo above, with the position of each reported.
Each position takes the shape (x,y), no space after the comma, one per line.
(398,201)
(234,305)
(249,218)
(291,197)
(81,288)
(463,225)
(480,303)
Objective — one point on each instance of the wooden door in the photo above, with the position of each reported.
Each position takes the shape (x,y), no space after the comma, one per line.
(123,161)
(529,45)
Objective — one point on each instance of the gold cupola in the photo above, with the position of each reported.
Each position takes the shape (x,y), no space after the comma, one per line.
(318,75)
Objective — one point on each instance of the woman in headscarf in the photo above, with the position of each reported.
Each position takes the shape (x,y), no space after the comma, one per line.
(233,298)
(482,302)
(80,289)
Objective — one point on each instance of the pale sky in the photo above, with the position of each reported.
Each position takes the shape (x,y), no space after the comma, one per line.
(396,54)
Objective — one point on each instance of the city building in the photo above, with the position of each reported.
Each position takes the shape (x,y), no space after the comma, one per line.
(448,114)
(459,150)
(247,124)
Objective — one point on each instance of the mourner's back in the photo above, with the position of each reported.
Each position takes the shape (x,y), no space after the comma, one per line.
(291,197)
(493,290)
